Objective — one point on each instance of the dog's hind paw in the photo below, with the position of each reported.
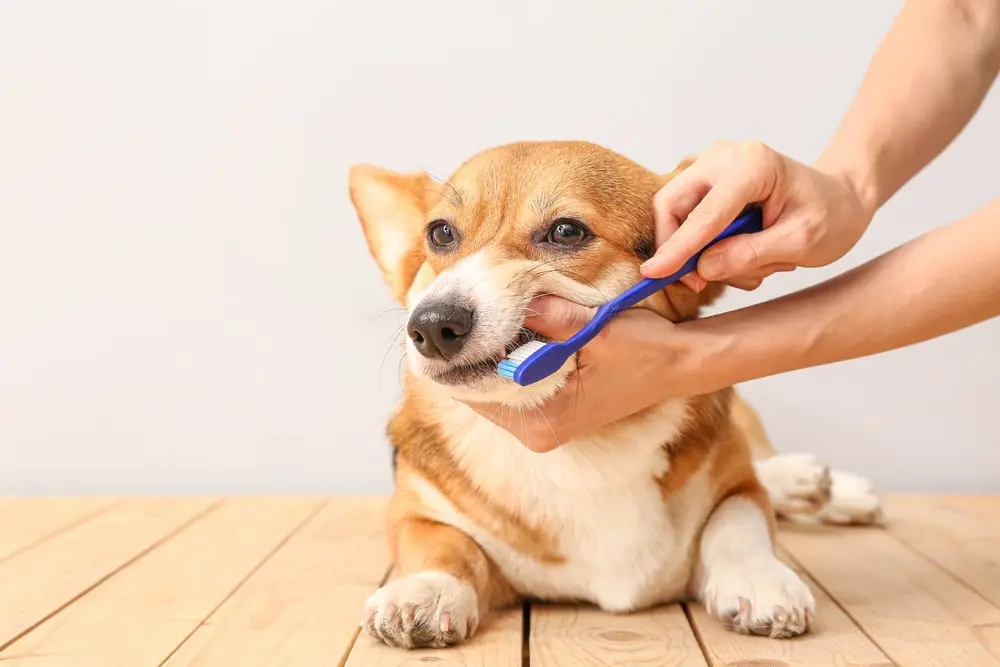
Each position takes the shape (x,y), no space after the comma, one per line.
(853,501)
(796,483)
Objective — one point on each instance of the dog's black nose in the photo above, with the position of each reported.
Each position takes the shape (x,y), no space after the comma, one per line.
(439,330)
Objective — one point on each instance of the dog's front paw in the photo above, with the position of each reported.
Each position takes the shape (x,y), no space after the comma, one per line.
(760,597)
(426,609)
(796,483)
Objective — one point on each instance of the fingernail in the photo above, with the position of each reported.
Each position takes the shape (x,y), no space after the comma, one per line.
(711,266)
(692,281)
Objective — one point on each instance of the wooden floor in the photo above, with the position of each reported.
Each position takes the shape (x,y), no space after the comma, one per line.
(276,582)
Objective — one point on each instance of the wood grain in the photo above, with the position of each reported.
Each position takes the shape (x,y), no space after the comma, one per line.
(496,644)
(917,613)
(38,582)
(26,522)
(274,582)
(834,640)
(140,615)
(962,535)
(302,607)
(565,635)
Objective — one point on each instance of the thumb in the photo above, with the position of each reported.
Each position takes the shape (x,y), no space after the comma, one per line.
(556,318)
(741,255)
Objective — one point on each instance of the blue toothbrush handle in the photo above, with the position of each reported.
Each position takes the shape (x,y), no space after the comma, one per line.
(750,221)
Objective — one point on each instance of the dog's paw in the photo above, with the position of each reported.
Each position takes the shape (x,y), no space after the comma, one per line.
(761,597)
(426,609)
(796,483)
(853,501)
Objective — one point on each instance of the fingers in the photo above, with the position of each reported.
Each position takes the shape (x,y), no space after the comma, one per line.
(743,255)
(672,205)
(700,202)
(754,279)
(556,318)
(746,284)
(694,281)
(674,201)
(665,228)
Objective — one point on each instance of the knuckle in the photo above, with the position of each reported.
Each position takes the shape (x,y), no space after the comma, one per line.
(660,199)
(746,284)
(759,158)
(805,235)
(755,149)
(700,216)
(745,255)
(540,443)
(723,146)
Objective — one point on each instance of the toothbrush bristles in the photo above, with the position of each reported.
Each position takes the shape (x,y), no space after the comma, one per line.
(525,351)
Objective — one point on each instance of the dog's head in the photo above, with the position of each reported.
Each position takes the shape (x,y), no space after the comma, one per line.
(467,256)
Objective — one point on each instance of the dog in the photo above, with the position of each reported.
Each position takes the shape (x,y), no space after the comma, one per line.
(677,502)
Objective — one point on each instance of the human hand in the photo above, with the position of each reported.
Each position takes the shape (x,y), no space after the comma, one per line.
(620,372)
(812,217)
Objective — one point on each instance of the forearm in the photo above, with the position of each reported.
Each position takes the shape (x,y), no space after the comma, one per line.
(925,82)
(943,281)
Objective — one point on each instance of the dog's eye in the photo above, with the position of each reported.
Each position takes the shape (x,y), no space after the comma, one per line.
(441,234)
(567,232)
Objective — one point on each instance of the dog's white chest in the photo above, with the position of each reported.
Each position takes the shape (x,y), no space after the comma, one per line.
(621,550)
(624,545)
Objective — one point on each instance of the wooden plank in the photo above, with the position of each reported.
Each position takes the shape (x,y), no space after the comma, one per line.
(302,607)
(960,534)
(28,521)
(585,636)
(36,583)
(497,643)
(139,616)
(917,613)
(834,640)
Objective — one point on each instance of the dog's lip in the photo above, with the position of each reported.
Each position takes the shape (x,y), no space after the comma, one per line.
(467,373)
(477,370)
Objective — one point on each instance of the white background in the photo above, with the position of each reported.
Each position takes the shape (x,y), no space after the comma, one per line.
(188,304)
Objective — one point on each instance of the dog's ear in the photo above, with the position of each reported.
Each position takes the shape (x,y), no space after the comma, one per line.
(685,302)
(392,208)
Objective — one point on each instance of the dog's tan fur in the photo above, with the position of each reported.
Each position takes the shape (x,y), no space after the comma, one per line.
(461,531)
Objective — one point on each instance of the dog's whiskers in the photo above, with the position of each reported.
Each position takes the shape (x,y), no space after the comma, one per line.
(524,274)
(547,423)
(578,278)
(387,311)
(454,196)
(393,344)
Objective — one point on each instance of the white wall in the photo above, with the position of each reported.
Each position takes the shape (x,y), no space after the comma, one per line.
(187,300)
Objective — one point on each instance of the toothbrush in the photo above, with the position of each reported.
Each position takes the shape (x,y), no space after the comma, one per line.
(536,360)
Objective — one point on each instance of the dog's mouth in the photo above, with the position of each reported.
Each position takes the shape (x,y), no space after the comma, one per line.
(477,372)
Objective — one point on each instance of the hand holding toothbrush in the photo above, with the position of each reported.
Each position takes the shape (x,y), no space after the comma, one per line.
(632,363)
(812,216)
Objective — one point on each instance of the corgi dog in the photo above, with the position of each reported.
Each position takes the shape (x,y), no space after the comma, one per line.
(677,502)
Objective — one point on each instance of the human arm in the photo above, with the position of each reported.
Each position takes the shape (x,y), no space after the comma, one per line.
(925,82)
(943,281)
(923,85)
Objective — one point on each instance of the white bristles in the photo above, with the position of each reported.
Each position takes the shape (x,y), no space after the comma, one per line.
(525,351)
